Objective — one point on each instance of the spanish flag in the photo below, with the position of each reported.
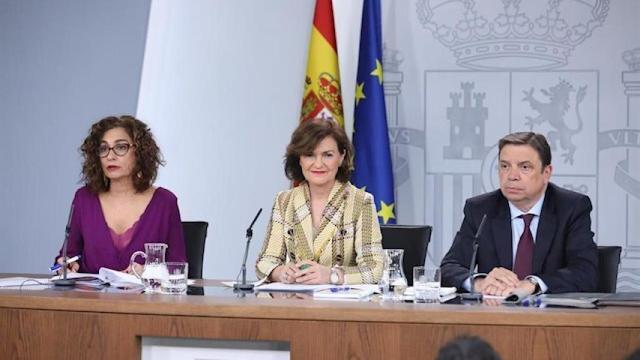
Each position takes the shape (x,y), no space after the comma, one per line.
(322,93)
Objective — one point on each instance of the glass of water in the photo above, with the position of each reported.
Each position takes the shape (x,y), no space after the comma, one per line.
(176,283)
(426,284)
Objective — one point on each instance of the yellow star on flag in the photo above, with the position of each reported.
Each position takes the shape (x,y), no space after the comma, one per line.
(360,93)
(386,212)
(377,71)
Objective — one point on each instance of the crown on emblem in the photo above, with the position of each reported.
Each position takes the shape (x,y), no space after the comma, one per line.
(391,59)
(329,89)
(632,58)
(512,34)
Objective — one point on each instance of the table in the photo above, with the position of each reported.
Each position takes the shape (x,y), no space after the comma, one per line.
(48,323)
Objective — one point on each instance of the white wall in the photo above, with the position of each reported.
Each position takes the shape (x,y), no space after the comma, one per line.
(222,88)
(63,65)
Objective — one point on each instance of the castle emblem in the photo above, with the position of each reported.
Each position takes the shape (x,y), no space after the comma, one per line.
(467,128)
(553,112)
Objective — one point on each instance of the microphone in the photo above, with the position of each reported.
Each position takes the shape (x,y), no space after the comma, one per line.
(244,286)
(64,281)
(472,295)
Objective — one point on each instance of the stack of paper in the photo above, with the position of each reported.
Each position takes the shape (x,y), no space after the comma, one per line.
(354,292)
(324,291)
(23,283)
(105,277)
(118,278)
(278,286)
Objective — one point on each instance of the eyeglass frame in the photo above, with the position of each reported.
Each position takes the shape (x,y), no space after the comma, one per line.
(113,148)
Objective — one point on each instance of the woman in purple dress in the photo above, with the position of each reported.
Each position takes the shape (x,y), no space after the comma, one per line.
(119,210)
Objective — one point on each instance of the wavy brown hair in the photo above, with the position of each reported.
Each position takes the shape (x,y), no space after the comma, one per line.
(305,139)
(148,156)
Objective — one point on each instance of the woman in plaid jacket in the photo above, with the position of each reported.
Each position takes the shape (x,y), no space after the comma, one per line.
(325,230)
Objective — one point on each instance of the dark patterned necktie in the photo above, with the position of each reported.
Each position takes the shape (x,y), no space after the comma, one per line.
(524,256)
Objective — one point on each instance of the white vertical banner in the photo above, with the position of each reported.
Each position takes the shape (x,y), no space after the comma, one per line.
(221,89)
(347,18)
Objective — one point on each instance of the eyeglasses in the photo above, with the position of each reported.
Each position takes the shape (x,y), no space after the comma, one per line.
(120,149)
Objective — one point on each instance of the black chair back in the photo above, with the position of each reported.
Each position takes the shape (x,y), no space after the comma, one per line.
(195,235)
(413,239)
(608,261)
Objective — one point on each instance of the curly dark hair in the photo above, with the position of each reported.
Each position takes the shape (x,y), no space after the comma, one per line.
(148,156)
(305,139)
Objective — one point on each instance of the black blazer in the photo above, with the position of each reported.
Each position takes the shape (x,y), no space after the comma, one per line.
(565,256)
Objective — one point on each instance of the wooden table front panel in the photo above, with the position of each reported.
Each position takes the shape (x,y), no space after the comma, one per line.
(51,334)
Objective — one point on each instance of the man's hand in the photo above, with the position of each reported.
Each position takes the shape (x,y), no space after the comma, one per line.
(525,287)
(499,282)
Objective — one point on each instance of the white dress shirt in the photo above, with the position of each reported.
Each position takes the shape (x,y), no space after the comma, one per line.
(517,228)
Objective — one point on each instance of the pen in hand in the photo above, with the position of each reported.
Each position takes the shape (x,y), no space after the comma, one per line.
(57,267)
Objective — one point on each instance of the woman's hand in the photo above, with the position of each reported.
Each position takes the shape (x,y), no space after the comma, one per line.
(312,273)
(71,267)
(284,273)
(137,266)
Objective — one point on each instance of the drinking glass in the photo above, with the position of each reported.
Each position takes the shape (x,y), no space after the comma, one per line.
(426,284)
(176,283)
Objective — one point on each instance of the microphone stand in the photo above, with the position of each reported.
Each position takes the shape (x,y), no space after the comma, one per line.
(64,282)
(243,286)
(472,295)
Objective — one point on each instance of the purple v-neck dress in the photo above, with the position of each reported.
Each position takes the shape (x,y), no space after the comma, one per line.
(91,237)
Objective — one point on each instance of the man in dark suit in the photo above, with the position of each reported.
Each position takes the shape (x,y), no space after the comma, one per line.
(537,236)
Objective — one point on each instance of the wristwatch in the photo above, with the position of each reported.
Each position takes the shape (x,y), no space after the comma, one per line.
(334,279)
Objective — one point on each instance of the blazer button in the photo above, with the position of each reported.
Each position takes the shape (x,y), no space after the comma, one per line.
(290,232)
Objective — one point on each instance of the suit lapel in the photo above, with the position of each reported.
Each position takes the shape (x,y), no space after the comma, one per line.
(502,235)
(331,219)
(545,232)
(303,224)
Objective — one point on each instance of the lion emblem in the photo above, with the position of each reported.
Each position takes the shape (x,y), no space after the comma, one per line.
(554,111)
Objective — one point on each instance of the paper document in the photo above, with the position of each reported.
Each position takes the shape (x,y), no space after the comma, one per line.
(231,283)
(344,292)
(118,278)
(278,286)
(24,283)
(104,277)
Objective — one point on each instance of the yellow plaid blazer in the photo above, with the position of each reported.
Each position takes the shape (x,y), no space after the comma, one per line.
(348,236)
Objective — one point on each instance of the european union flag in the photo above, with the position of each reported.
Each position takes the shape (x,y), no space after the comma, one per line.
(373,168)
